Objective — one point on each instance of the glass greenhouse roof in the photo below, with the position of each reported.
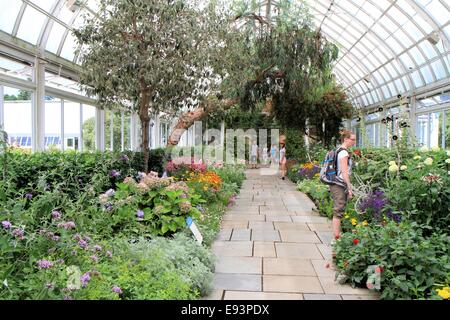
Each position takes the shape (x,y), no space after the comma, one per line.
(387,47)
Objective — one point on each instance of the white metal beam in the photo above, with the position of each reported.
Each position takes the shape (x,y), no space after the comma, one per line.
(38,107)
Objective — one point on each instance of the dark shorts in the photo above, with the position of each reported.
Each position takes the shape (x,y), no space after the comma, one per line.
(339,200)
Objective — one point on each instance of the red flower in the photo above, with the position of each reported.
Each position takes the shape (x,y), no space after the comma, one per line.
(379,269)
(355,241)
(357,152)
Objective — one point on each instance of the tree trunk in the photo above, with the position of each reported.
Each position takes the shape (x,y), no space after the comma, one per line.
(187,119)
(145,121)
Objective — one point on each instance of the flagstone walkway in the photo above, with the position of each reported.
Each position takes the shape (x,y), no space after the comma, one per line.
(272,245)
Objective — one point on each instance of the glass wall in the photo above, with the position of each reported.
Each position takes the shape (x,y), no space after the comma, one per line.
(17,117)
(72,134)
(88,127)
(53,138)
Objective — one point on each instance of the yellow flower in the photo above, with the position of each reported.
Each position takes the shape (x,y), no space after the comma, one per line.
(392,163)
(403,168)
(435,148)
(428,161)
(205,188)
(447,161)
(444,293)
(423,149)
(393,168)
(417,157)
(365,223)
(354,221)
(346,216)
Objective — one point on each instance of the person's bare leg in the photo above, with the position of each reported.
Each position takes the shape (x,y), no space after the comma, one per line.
(336,228)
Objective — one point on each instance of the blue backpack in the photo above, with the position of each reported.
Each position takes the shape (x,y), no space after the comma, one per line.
(328,171)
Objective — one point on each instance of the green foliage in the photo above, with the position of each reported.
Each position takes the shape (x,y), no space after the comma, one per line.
(412,265)
(319,193)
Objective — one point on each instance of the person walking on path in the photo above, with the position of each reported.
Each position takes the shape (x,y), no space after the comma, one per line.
(254,155)
(283,159)
(341,194)
(273,154)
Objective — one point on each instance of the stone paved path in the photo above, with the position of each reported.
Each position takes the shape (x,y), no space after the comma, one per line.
(273,246)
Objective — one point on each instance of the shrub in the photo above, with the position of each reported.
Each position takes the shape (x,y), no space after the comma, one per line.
(411,264)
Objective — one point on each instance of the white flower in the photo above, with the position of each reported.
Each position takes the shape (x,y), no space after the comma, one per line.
(392,163)
(435,148)
(447,161)
(417,157)
(448,153)
(403,167)
(423,149)
(428,161)
(393,168)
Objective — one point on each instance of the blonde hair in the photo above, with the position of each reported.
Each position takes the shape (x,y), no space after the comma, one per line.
(346,134)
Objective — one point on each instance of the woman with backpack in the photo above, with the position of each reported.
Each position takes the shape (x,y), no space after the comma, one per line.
(342,193)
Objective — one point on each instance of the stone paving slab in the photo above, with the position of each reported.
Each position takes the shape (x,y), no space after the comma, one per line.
(297,250)
(265,235)
(288,267)
(241,265)
(293,284)
(278,218)
(224,235)
(320,226)
(243,217)
(290,226)
(332,287)
(310,296)
(230,281)
(325,237)
(323,268)
(309,219)
(241,235)
(264,249)
(233,248)
(234,224)
(214,295)
(265,225)
(325,250)
(299,236)
(249,295)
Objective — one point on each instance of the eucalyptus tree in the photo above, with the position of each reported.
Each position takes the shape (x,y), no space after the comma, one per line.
(146,56)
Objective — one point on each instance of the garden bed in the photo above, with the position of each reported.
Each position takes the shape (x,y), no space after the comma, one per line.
(91,226)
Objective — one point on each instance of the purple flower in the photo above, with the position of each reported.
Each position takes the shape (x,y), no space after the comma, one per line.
(124,157)
(94,258)
(44,264)
(141,175)
(140,214)
(29,196)
(67,225)
(116,289)
(55,238)
(114,173)
(6,224)
(200,208)
(74,252)
(108,206)
(109,254)
(97,248)
(56,215)
(18,233)
(110,193)
(83,244)
(61,261)
(85,278)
